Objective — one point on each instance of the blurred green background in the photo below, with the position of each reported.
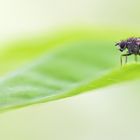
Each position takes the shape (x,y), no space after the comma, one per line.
(20,17)
(106,114)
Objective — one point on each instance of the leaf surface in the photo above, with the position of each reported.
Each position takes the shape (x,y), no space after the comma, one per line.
(79,61)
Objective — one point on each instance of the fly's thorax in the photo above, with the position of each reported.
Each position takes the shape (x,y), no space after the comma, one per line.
(133,49)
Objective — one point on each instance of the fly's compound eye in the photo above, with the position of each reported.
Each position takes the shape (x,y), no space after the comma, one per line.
(122,46)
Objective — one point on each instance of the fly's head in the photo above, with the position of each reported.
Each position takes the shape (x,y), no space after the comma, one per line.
(122,45)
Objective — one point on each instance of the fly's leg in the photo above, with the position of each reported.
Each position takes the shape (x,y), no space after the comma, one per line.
(125,58)
(136,59)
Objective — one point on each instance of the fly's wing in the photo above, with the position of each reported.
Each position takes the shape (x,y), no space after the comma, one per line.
(138,41)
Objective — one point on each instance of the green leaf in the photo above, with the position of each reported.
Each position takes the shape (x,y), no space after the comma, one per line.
(50,68)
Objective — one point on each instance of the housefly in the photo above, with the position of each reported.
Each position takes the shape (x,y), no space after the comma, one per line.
(131,46)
